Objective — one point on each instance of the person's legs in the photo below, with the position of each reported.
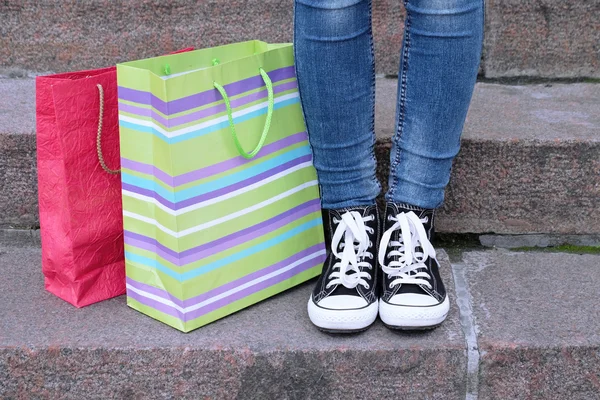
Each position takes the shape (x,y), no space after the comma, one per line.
(438,68)
(336,80)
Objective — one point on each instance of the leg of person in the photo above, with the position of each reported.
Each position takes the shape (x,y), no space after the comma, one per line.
(438,69)
(336,80)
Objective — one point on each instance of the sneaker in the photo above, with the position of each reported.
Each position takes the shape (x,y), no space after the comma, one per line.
(413,295)
(344,298)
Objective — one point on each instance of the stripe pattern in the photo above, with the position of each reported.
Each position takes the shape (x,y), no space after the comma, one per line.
(209,235)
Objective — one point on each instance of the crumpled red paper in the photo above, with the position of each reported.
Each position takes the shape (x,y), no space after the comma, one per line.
(81,216)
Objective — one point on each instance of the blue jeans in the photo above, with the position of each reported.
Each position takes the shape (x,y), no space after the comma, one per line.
(336,77)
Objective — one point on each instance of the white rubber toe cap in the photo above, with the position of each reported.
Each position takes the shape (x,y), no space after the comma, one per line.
(412,299)
(343,302)
(413,317)
(348,320)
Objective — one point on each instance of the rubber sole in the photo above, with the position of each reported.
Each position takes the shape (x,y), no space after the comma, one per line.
(413,318)
(343,332)
(342,321)
(418,328)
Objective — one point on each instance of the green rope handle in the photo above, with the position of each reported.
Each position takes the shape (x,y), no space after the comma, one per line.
(263,137)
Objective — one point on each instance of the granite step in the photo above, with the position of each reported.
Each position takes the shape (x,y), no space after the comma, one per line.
(530,158)
(512,333)
(528,38)
(268,351)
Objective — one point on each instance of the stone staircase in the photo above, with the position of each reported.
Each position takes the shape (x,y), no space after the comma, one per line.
(523,324)
(534,38)
(530,159)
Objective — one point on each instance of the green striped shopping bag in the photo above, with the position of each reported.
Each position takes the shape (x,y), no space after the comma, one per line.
(220,198)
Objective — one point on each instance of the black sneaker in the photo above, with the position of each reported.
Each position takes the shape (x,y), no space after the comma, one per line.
(345,298)
(413,295)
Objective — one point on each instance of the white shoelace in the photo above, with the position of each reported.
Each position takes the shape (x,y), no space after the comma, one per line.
(412,236)
(352,229)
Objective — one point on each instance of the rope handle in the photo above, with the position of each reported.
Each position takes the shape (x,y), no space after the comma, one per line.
(99,136)
(267,126)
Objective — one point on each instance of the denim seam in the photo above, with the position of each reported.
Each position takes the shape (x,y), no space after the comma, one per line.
(374,139)
(302,104)
(402,105)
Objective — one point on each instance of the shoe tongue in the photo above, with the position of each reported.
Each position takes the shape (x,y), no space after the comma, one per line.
(397,208)
(362,210)
(340,289)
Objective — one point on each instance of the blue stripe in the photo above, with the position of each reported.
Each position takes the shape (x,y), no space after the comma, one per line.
(208,129)
(182,277)
(217,184)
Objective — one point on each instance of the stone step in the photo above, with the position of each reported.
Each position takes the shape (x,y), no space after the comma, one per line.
(512,333)
(530,161)
(522,38)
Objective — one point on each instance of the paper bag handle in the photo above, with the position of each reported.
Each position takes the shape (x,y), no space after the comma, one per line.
(263,137)
(99,135)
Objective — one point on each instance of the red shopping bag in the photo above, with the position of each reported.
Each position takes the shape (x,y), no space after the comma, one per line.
(79,186)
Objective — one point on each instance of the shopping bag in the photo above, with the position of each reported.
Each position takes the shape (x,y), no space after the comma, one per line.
(79,186)
(220,197)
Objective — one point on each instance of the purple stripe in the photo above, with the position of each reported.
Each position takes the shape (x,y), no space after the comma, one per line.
(192,315)
(163,308)
(231,298)
(212,169)
(204,98)
(224,243)
(228,286)
(207,112)
(147,169)
(246,182)
(149,193)
(154,247)
(219,192)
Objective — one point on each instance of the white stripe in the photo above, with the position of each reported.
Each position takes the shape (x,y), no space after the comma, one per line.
(221,220)
(217,199)
(208,123)
(227,293)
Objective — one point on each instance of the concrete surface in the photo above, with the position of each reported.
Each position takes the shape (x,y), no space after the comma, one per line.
(530,161)
(49,349)
(551,112)
(20,238)
(533,240)
(59,36)
(540,38)
(18,173)
(538,324)
(522,325)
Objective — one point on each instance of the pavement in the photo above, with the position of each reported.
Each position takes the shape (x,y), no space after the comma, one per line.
(512,333)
